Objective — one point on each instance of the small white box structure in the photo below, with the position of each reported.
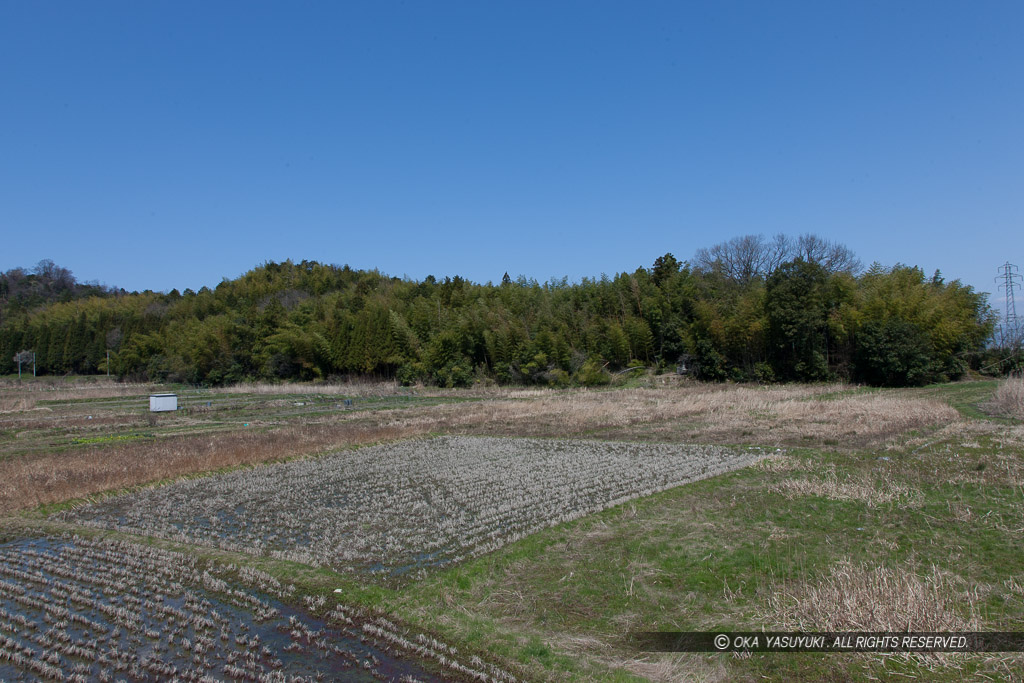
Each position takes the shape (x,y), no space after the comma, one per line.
(159,403)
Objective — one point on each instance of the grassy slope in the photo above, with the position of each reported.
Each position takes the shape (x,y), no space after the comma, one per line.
(711,555)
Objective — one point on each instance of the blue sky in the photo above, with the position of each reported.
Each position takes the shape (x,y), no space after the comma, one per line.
(173,144)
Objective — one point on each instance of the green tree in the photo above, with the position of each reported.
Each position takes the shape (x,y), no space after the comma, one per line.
(893,353)
(798,305)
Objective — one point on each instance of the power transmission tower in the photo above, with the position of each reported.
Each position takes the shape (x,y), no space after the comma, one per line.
(1011,280)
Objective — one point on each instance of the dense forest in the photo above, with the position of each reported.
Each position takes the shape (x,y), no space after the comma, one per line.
(779,309)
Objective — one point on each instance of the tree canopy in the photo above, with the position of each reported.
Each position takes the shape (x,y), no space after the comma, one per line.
(737,312)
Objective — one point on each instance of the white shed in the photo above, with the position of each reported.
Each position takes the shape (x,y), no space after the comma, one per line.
(159,403)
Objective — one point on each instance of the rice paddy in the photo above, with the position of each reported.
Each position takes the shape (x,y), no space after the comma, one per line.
(368,533)
(408,506)
(80,610)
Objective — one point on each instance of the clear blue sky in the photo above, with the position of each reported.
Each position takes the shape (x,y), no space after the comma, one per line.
(172,144)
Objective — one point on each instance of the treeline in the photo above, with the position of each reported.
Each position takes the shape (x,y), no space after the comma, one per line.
(22,290)
(749,309)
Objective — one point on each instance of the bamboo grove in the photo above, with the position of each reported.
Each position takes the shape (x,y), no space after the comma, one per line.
(802,319)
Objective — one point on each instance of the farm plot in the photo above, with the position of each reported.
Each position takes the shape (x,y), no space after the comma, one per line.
(404,507)
(76,609)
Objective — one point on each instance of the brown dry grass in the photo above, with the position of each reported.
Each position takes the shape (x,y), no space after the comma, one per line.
(360,389)
(860,487)
(771,416)
(859,597)
(57,477)
(1009,397)
(18,396)
(793,415)
(784,463)
(10,404)
(369,389)
(665,668)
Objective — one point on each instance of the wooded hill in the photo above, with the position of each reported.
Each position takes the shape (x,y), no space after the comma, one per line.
(749,309)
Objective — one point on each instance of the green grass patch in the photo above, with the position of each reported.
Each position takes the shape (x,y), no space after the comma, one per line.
(112,438)
(968,397)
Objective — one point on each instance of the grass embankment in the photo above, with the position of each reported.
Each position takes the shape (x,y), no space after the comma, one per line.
(888,510)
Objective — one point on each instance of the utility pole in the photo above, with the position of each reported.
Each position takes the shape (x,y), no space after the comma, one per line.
(1011,280)
(23,357)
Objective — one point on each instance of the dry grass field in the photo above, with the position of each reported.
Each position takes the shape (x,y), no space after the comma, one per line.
(894,509)
(69,443)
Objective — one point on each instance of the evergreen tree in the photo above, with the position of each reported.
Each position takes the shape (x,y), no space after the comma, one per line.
(797,307)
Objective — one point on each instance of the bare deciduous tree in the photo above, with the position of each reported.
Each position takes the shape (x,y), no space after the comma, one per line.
(740,259)
(744,258)
(114,337)
(57,277)
(832,256)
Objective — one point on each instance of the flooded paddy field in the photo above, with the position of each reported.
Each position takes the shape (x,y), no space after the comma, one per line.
(85,610)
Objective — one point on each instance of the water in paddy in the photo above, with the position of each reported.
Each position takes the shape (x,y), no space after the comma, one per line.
(81,609)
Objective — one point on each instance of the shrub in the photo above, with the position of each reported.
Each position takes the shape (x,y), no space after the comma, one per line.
(592,374)
(710,364)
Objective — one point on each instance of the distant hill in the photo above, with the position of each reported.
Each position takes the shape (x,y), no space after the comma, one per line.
(730,315)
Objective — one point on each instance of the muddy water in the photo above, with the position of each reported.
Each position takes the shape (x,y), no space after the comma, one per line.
(76,608)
